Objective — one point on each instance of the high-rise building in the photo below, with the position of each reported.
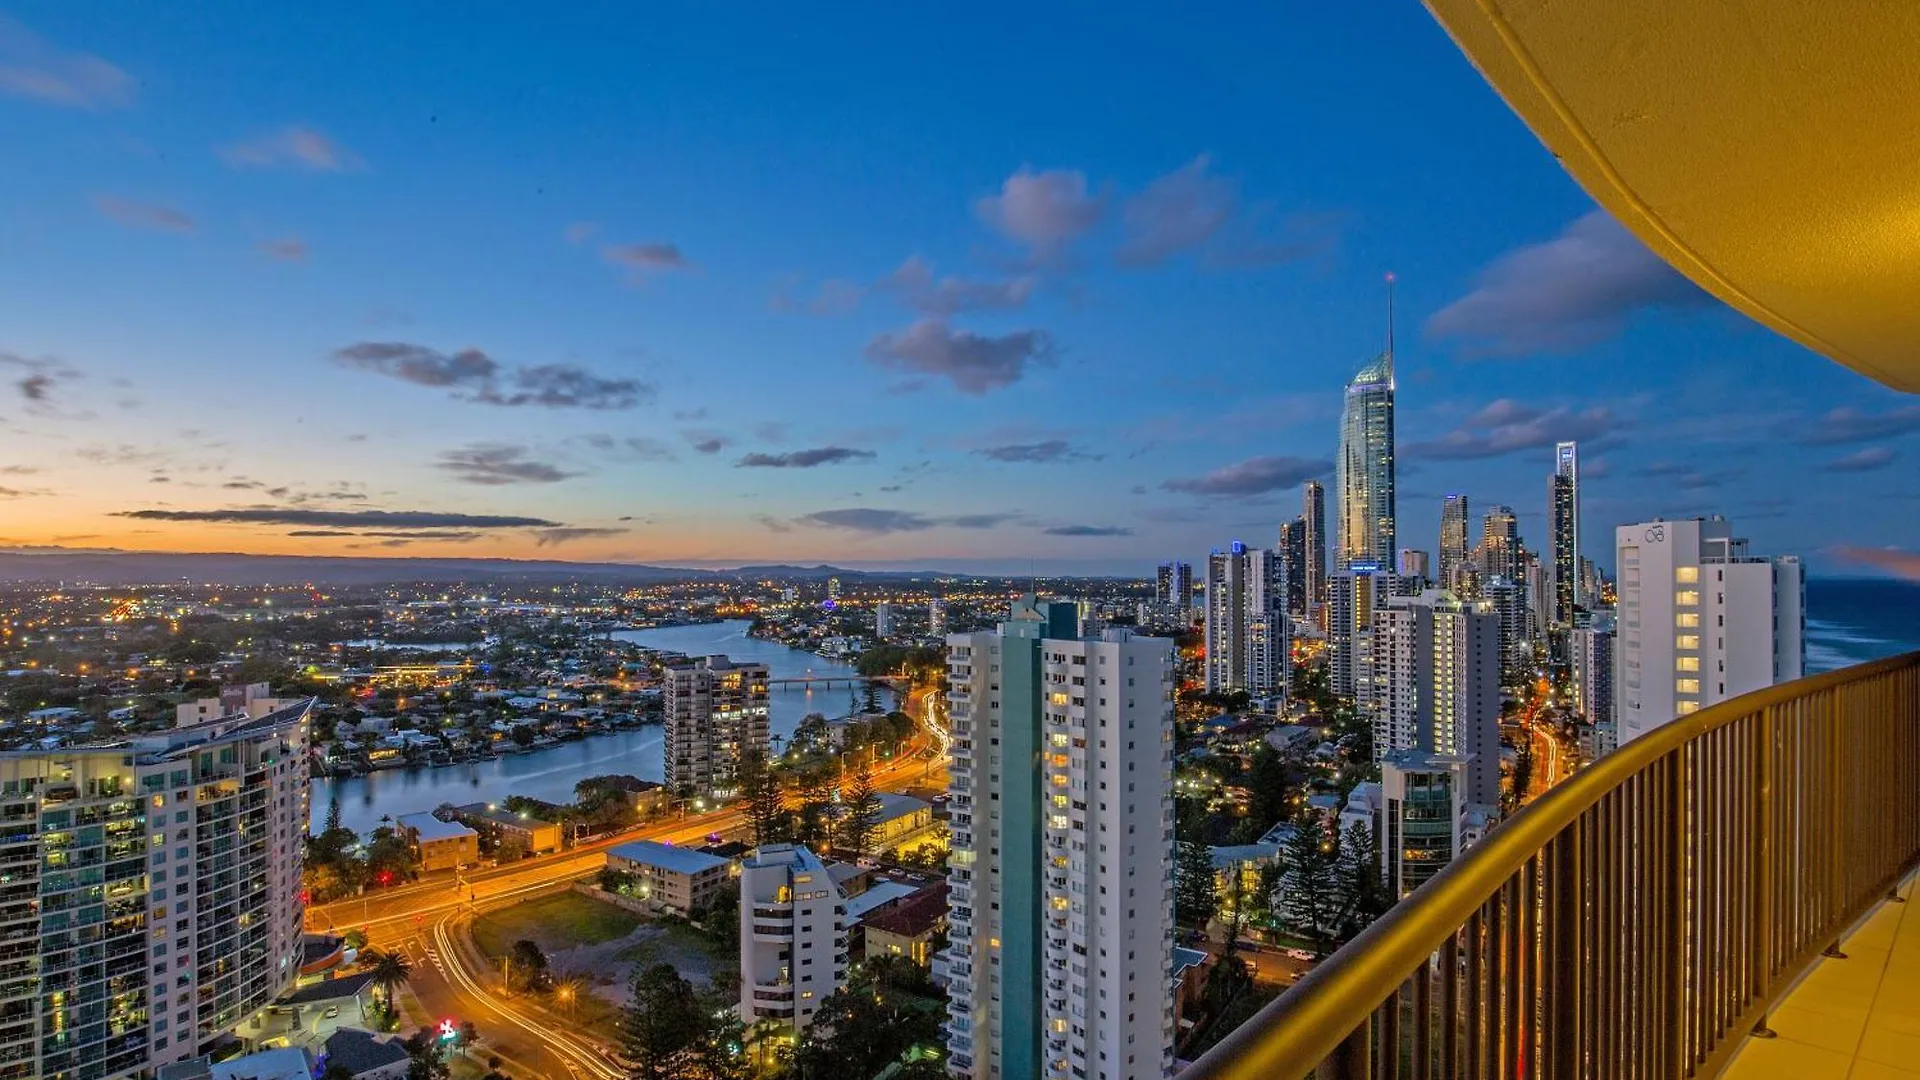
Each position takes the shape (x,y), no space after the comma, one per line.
(793,936)
(1563,524)
(1293,553)
(1173,587)
(1352,595)
(1436,684)
(1592,662)
(1453,538)
(1423,807)
(833,588)
(1248,637)
(1060,920)
(1313,500)
(936,617)
(1509,600)
(1500,544)
(1163,583)
(716,710)
(883,620)
(1415,570)
(1700,620)
(154,886)
(1364,471)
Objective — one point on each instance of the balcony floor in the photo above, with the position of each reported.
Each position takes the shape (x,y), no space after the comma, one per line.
(1858,1018)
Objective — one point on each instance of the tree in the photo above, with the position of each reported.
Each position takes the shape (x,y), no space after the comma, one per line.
(527,966)
(870,699)
(857,1032)
(391,970)
(1194,899)
(426,1061)
(390,859)
(813,825)
(670,1033)
(1306,885)
(1356,874)
(760,797)
(333,815)
(862,813)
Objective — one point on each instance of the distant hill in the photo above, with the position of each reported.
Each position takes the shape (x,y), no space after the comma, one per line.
(233,568)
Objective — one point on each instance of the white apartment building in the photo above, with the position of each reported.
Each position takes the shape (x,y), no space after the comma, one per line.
(793,936)
(1247,639)
(1699,621)
(152,888)
(1590,650)
(1423,810)
(716,710)
(883,621)
(1436,684)
(1060,922)
(1352,596)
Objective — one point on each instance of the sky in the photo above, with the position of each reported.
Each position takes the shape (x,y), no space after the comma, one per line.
(1001,289)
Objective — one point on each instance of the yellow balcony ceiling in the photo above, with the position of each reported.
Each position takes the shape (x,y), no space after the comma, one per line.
(1768,149)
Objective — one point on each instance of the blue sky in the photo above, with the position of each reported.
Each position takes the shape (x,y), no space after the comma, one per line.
(1065,289)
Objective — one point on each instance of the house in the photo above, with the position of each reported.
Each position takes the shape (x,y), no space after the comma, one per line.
(280,1063)
(1292,738)
(680,879)
(1244,860)
(364,1055)
(901,818)
(907,926)
(439,845)
(536,836)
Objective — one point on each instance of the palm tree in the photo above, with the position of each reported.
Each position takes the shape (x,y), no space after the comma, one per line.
(391,970)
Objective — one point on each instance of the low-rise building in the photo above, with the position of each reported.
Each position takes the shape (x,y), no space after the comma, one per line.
(279,1063)
(439,845)
(365,1056)
(901,819)
(793,943)
(537,835)
(907,926)
(680,879)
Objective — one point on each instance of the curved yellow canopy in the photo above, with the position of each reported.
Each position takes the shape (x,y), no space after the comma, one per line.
(1768,149)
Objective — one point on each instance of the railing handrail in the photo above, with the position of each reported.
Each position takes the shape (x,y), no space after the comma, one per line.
(1308,1023)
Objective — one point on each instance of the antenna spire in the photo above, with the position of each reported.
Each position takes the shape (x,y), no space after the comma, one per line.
(1390,280)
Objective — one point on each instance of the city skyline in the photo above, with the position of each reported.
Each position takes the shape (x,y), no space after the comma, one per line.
(281,292)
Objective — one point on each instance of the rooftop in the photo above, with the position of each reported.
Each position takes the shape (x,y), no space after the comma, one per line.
(360,1051)
(329,989)
(676,860)
(428,827)
(884,892)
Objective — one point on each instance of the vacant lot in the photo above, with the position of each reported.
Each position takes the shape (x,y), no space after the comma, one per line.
(556,923)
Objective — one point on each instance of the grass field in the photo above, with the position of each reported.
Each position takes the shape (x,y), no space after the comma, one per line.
(696,955)
(556,922)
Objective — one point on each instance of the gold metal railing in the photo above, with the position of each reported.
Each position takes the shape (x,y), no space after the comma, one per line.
(1636,921)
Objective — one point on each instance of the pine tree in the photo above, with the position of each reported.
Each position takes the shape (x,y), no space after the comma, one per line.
(1194,899)
(760,797)
(1307,883)
(862,813)
(1363,897)
(333,814)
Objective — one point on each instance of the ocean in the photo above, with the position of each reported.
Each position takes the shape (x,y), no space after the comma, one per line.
(1850,620)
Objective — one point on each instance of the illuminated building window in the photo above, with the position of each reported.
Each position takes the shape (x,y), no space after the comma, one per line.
(1686,575)
(1689,642)
(1687,598)
(1686,707)
(1686,686)
(1686,663)
(1687,619)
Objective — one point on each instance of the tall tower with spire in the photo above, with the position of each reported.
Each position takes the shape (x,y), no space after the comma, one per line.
(1363,472)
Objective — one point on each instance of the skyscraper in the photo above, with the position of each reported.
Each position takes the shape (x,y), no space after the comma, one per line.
(1509,600)
(1436,684)
(883,620)
(716,710)
(1363,473)
(1060,921)
(1500,544)
(1592,662)
(1423,805)
(1352,596)
(153,884)
(1700,620)
(936,617)
(1453,538)
(1313,498)
(1173,586)
(1293,554)
(1247,626)
(1563,510)
(1416,570)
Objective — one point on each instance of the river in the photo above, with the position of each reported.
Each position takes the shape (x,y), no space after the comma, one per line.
(550,774)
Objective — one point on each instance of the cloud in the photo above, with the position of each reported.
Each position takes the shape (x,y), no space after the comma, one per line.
(866,520)
(342,519)
(974,363)
(1035,453)
(1899,563)
(643,261)
(291,249)
(1849,425)
(322,532)
(581,231)
(1176,212)
(1046,211)
(1253,476)
(804,459)
(139,215)
(979,521)
(1564,294)
(773,523)
(1867,460)
(569,533)
(475,376)
(291,147)
(453,536)
(916,285)
(31,67)
(1505,426)
(632,448)
(1089,530)
(704,441)
(42,376)
(495,464)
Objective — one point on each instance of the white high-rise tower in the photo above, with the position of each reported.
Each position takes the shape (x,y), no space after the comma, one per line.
(1247,627)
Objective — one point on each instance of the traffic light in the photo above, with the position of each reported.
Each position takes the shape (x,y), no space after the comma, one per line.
(449,1030)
